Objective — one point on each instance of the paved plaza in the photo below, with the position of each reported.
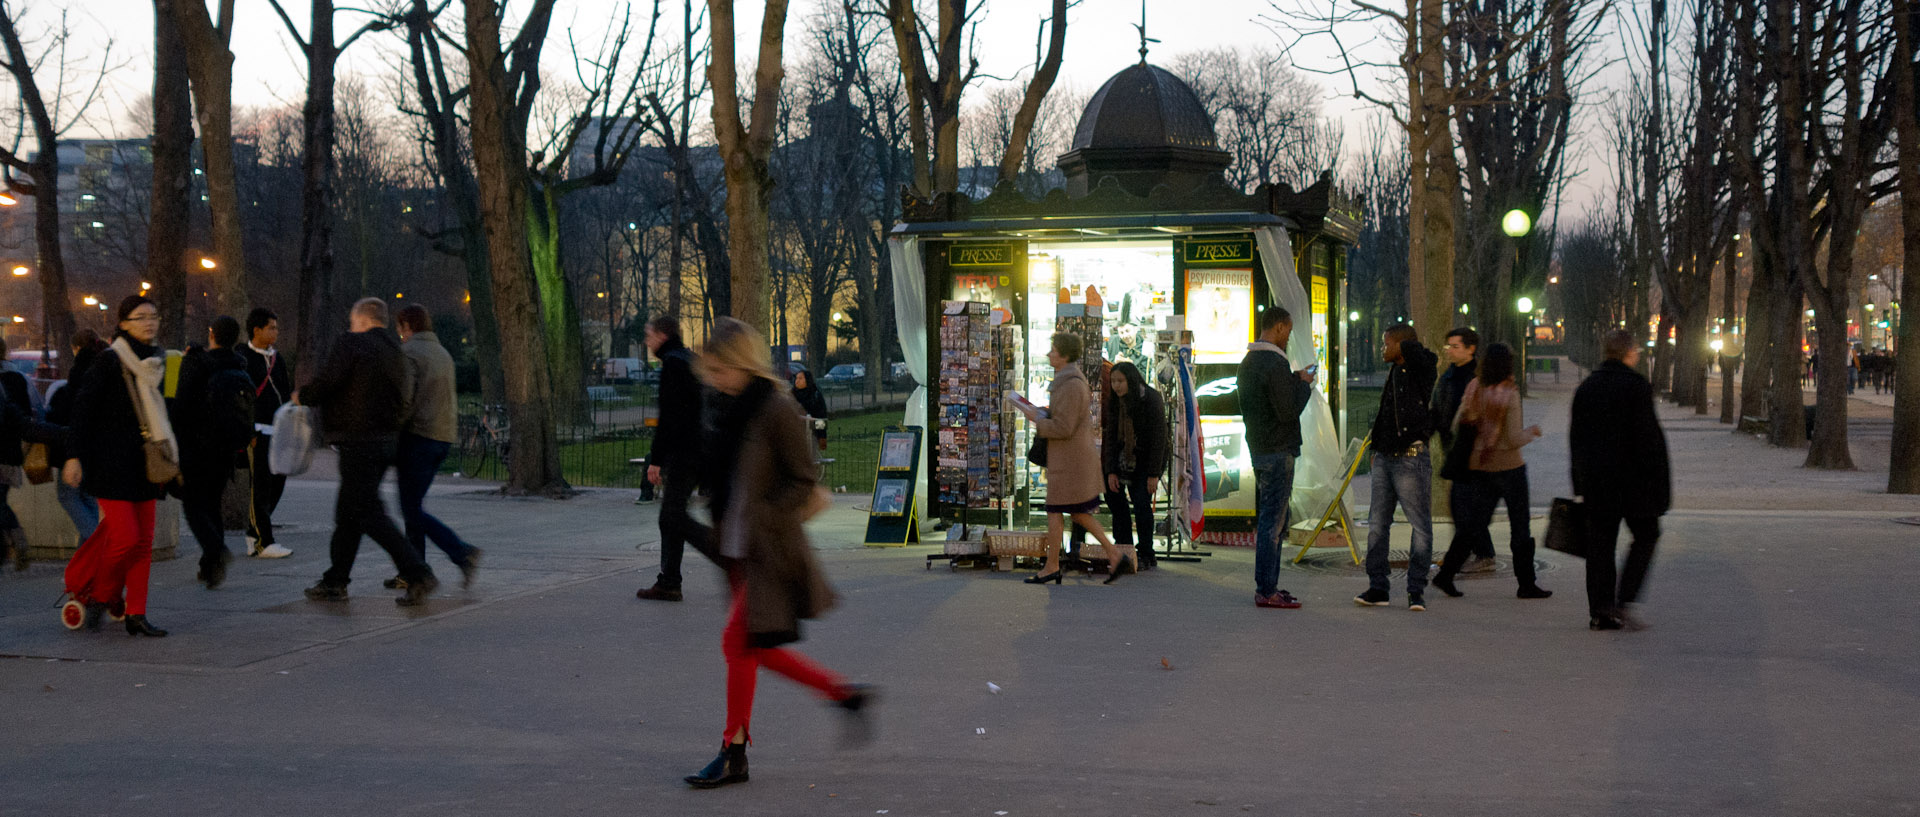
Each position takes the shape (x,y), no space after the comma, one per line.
(1781,675)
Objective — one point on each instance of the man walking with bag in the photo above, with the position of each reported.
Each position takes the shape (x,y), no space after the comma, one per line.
(361,392)
(1620,472)
(1402,467)
(271,388)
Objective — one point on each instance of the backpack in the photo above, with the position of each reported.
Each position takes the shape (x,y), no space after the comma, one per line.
(229,409)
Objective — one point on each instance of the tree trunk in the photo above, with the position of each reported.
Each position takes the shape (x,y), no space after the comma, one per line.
(210,69)
(1786,416)
(1903,475)
(1728,319)
(1663,351)
(170,201)
(559,309)
(499,158)
(744,150)
(1828,448)
(1757,354)
(316,187)
(1442,177)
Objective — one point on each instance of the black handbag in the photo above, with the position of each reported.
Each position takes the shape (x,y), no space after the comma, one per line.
(1566,528)
(1460,454)
(1037,452)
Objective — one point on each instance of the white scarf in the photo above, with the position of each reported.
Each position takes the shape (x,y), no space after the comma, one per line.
(147,376)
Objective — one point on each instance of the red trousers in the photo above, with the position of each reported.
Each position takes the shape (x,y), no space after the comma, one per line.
(745,660)
(118,555)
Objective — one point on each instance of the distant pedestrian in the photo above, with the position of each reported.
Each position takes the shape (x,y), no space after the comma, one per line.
(1272,397)
(1402,467)
(272,387)
(1073,464)
(119,411)
(13,392)
(1620,472)
(1462,350)
(674,463)
(813,402)
(425,439)
(81,507)
(361,391)
(765,484)
(213,420)
(1134,442)
(1498,474)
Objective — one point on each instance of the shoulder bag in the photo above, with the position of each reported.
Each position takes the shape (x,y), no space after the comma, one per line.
(1566,528)
(161,467)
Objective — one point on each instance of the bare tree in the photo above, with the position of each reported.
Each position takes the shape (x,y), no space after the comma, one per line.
(1267,115)
(745,148)
(498,93)
(210,71)
(170,200)
(1903,476)
(48,113)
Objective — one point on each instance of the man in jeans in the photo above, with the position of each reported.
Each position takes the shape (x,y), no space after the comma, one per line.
(361,392)
(1402,467)
(425,441)
(1272,396)
(1462,350)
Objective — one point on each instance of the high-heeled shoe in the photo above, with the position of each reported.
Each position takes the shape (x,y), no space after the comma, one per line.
(1055,577)
(1124,567)
(138,625)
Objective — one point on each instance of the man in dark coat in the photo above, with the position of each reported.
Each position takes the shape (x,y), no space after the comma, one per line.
(1402,467)
(1462,350)
(674,461)
(272,386)
(1620,472)
(1272,397)
(361,393)
(203,406)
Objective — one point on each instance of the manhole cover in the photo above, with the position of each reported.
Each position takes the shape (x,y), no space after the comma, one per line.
(1336,560)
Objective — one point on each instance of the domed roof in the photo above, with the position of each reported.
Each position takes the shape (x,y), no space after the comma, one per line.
(1144,106)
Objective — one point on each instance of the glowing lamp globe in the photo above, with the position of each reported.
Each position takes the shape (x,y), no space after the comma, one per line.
(1525,305)
(1516,223)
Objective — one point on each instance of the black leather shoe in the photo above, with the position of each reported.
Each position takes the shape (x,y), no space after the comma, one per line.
(859,725)
(727,768)
(1054,577)
(138,625)
(1604,623)
(418,591)
(1533,591)
(215,574)
(1444,581)
(660,591)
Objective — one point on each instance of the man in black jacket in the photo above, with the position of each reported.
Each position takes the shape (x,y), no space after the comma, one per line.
(674,461)
(208,445)
(1620,471)
(361,392)
(271,388)
(1402,466)
(1272,396)
(1462,348)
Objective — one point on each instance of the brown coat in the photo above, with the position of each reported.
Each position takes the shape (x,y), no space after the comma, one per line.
(1501,430)
(1073,464)
(775,477)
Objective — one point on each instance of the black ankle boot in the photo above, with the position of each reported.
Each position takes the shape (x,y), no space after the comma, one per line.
(1444,581)
(730,766)
(859,725)
(138,625)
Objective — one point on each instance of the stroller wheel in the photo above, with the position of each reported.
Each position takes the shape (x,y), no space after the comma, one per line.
(73,614)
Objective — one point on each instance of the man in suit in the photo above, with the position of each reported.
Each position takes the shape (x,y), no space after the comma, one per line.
(1620,472)
(271,387)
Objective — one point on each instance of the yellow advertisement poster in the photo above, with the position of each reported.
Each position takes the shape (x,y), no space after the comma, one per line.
(1220,313)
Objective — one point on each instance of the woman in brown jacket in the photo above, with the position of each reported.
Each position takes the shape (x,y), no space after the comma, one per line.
(1074,481)
(764,484)
(1492,406)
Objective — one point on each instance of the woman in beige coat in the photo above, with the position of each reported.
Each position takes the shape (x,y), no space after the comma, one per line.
(764,483)
(1074,482)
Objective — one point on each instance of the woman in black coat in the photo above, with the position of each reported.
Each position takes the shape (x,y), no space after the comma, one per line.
(1133,454)
(813,402)
(80,507)
(110,463)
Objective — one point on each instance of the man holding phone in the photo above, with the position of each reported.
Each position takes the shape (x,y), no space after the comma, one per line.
(1272,397)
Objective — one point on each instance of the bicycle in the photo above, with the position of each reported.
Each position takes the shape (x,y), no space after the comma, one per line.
(483,438)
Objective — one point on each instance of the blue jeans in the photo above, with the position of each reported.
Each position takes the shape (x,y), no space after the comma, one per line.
(1272,487)
(419,460)
(1408,482)
(81,508)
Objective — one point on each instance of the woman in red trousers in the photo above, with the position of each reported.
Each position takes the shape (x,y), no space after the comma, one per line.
(764,484)
(118,409)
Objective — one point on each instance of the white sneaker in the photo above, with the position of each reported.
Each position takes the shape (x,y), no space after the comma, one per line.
(271,552)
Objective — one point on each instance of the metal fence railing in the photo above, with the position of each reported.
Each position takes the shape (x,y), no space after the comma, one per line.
(608,445)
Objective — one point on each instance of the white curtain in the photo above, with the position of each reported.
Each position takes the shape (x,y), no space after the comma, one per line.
(1318,471)
(910,318)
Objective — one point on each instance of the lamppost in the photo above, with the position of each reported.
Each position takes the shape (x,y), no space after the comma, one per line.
(1517,224)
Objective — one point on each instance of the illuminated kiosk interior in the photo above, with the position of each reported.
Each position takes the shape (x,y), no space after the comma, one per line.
(1148,224)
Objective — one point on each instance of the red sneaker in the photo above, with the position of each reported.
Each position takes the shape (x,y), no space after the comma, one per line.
(1280,599)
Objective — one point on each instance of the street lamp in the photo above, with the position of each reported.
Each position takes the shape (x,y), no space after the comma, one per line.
(208,263)
(1516,223)
(7,199)
(90,301)
(1525,307)
(20,271)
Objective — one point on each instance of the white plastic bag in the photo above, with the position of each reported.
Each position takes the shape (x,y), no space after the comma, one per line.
(291,452)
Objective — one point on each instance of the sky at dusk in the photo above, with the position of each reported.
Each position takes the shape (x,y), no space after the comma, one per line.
(1101,40)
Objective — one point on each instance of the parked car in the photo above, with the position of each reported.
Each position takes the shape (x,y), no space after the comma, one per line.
(845,374)
(899,376)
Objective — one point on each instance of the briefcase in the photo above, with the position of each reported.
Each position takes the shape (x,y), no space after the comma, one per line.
(1567,528)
